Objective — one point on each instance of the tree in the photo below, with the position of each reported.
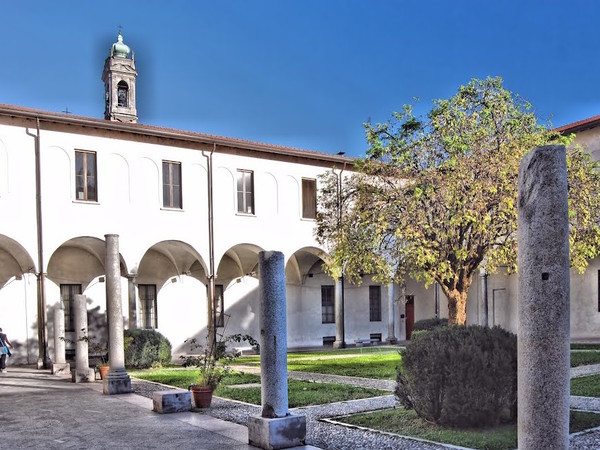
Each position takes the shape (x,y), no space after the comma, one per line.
(436,197)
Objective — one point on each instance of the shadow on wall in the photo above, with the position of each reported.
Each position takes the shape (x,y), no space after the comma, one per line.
(241,317)
(97,331)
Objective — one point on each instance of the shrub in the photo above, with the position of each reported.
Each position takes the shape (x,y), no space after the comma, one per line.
(146,348)
(460,376)
(429,324)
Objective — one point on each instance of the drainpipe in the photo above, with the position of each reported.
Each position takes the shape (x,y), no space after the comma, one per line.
(212,310)
(43,359)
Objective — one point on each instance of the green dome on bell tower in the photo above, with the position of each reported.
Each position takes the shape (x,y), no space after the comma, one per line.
(119,48)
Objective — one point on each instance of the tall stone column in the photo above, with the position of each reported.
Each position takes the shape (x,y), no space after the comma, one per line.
(543,336)
(117,381)
(60,365)
(276,427)
(131,285)
(340,332)
(82,371)
(391,339)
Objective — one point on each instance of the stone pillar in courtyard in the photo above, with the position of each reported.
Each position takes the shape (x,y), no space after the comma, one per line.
(117,381)
(132,301)
(543,331)
(82,371)
(60,365)
(275,428)
(340,334)
(391,337)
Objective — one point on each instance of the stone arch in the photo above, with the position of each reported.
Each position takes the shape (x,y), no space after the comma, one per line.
(167,259)
(79,260)
(176,274)
(239,261)
(14,260)
(303,263)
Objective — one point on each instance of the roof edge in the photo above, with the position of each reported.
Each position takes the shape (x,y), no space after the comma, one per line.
(155,131)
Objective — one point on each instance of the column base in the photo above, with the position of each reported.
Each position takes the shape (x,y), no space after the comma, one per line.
(339,344)
(391,340)
(117,382)
(83,376)
(277,433)
(61,368)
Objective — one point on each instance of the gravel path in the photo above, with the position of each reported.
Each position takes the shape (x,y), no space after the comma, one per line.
(328,435)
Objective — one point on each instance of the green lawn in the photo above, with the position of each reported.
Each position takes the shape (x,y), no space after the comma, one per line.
(326,354)
(585,358)
(301,393)
(370,362)
(585,346)
(407,423)
(586,386)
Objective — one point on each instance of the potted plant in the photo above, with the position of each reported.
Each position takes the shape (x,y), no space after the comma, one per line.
(211,367)
(100,351)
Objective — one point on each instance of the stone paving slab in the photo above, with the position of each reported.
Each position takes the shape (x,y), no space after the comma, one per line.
(44,411)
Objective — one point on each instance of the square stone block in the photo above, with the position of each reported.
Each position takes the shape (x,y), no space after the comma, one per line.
(273,434)
(116,385)
(61,368)
(171,401)
(83,376)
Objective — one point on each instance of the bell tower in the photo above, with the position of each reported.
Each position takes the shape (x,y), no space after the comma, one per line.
(119,84)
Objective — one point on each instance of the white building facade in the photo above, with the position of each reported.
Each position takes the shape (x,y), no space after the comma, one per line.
(192,211)
(188,209)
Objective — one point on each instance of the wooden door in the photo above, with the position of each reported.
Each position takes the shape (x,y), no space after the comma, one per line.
(410,315)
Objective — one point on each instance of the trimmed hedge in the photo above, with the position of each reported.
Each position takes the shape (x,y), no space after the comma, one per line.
(429,324)
(146,348)
(460,376)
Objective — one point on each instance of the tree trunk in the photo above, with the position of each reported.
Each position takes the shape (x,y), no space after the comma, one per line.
(457,307)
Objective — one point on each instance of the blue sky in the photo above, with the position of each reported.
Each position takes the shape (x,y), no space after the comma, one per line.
(303,73)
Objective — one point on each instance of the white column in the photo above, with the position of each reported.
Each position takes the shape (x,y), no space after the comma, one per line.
(340,332)
(391,339)
(82,371)
(60,364)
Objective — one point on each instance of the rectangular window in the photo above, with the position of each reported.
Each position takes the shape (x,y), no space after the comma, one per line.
(245,191)
(148,312)
(171,184)
(219,306)
(85,176)
(67,295)
(375,303)
(327,304)
(309,198)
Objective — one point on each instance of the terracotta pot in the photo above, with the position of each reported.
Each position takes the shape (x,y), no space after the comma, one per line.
(202,395)
(103,371)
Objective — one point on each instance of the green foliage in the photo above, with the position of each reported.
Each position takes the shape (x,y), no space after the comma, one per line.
(429,324)
(213,368)
(436,197)
(146,348)
(460,376)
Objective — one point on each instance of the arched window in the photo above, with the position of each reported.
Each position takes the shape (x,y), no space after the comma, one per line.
(122,94)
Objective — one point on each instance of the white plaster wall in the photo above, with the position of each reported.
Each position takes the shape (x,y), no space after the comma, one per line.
(130,204)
